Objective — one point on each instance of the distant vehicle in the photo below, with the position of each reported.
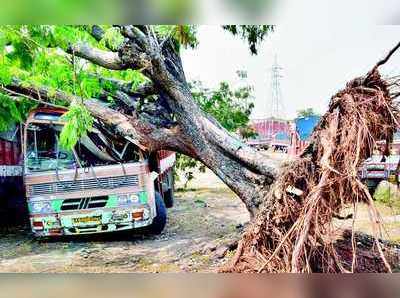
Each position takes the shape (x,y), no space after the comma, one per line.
(378,168)
(89,189)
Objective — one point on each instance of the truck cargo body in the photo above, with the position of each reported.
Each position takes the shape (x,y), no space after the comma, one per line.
(12,200)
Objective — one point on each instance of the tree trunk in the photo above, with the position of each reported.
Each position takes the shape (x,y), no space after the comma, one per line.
(248,173)
(243,169)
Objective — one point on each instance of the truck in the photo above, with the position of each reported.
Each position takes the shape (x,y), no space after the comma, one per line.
(379,168)
(104,184)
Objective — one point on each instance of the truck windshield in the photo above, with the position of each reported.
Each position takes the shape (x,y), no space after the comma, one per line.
(43,150)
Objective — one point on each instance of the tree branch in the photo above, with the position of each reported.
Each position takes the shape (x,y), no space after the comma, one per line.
(144,90)
(141,132)
(17,96)
(135,34)
(106,59)
(383,61)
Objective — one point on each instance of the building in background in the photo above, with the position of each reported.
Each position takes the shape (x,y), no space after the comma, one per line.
(282,135)
(271,133)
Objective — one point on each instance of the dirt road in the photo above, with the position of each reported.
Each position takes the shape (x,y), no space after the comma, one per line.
(199,226)
(203,223)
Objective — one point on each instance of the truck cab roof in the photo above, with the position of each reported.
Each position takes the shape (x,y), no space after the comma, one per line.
(46,114)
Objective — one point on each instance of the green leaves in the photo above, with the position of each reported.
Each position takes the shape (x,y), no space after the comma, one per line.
(112,38)
(232,108)
(8,112)
(13,110)
(21,53)
(35,54)
(78,123)
(89,86)
(252,34)
(182,35)
(5,75)
(306,113)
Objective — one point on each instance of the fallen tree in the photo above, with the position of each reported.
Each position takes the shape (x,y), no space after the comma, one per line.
(294,231)
(176,124)
(292,208)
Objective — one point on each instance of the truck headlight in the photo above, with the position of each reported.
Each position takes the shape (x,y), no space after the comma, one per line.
(125,200)
(134,198)
(40,207)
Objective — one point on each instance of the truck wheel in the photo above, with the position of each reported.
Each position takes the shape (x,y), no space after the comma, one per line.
(160,220)
(372,191)
(372,186)
(169,198)
(169,193)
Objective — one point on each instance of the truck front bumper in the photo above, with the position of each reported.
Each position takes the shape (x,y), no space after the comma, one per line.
(90,222)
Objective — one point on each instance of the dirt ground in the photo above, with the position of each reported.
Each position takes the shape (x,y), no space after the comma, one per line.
(203,224)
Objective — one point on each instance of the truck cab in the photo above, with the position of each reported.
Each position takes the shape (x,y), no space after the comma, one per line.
(105,184)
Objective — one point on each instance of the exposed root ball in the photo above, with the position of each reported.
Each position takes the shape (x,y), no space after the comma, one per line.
(293,231)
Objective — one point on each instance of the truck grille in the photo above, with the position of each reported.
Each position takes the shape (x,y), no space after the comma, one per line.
(84,203)
(81,185)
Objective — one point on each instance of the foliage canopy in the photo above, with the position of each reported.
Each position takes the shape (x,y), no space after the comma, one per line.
(306,112)
(41,55)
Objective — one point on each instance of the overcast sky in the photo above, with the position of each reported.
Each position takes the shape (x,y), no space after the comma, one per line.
(317,58)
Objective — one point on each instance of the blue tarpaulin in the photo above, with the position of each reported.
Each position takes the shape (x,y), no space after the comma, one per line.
(305,126)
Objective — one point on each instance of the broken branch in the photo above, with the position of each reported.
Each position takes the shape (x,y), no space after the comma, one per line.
(106,59)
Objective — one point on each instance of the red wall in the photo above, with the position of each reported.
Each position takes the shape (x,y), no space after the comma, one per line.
(267,128)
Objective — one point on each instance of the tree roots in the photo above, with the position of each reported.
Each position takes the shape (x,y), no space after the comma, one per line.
(294,231)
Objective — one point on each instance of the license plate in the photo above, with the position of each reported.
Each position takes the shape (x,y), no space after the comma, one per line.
(88,219)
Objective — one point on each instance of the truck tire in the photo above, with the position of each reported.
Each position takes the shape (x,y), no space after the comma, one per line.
(372,186)
(169,198)
(169,189)
(372,190)
(160,220)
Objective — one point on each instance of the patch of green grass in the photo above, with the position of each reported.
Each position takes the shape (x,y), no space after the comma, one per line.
(203,259)
(144,263)
(389,195)
(230,254)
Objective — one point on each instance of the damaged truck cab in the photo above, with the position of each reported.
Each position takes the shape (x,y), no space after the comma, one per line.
(104,184)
